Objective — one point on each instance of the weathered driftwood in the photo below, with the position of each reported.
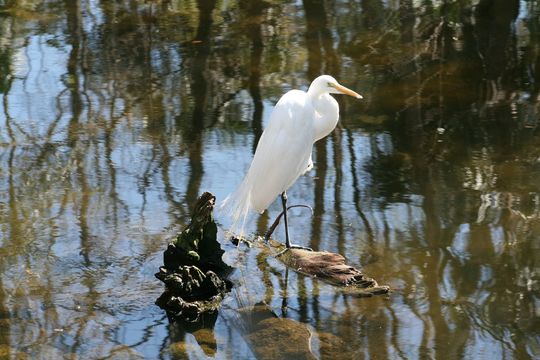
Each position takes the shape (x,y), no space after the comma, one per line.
(331,267)
(192,263)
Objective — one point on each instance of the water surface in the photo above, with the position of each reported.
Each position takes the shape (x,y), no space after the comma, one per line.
(116,115)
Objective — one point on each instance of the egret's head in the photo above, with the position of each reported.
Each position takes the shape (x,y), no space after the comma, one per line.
(327,84)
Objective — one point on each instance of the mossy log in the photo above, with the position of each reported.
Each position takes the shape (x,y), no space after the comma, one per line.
(331,268)
(193,270)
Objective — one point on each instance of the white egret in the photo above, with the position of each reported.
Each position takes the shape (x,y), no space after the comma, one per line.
(283,153)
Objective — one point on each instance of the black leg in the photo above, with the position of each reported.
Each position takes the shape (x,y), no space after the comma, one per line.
(284,203)
(271,229)
(288,244)
(285,300)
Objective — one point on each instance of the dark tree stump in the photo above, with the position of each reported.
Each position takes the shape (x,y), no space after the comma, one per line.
(192,267)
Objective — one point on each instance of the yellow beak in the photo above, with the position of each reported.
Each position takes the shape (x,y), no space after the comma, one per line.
(346,91)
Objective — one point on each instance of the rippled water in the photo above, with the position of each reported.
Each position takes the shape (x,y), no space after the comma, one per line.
(116,115)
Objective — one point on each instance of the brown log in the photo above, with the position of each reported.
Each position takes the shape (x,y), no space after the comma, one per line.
(331,268)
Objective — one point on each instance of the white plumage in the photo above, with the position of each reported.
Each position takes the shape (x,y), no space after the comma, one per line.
(284,150)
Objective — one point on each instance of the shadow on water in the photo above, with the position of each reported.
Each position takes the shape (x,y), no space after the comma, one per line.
(116,115)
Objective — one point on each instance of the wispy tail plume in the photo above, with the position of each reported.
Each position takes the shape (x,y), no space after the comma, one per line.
(236,206)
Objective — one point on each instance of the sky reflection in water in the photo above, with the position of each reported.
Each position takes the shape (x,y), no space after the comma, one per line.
(115,116)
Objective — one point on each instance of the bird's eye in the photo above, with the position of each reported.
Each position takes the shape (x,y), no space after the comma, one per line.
(330,84)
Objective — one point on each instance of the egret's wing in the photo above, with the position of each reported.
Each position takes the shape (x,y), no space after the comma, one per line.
(283,151)
(282,154)
(309,165)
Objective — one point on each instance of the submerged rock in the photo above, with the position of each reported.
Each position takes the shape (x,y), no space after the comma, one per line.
(5,351)
(272,337)
(192,263)
(281,338)
(205,342)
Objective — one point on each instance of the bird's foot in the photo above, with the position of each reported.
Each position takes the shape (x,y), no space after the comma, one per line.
(292,246)
(301,247)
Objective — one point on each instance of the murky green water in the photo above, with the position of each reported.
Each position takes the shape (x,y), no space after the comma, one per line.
(116,115)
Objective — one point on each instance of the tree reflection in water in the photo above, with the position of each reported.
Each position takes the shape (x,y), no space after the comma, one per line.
(115,115)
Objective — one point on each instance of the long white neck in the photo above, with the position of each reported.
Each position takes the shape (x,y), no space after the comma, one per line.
(326,114)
